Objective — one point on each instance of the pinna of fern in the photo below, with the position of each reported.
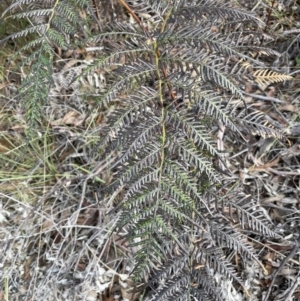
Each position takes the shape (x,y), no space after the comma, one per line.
(50,23)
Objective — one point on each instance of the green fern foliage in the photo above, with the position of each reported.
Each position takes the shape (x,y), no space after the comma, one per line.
(50,23)
(173,73)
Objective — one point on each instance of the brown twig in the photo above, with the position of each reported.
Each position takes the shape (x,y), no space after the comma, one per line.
(267,98)
(96,10)
(136,18)
(268,21)
(95,15)
(283,262)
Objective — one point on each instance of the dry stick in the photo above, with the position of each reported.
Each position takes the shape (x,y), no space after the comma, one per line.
(268,21)
(269,98)
(284,261)
(293,288)
(96,10)
(136,18)
(96,16)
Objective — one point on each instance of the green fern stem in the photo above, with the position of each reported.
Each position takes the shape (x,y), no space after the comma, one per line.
(151,39)
(161,100)
(52,14)
(167,16)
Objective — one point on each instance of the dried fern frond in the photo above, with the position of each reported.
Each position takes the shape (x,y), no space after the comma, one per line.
(266,77)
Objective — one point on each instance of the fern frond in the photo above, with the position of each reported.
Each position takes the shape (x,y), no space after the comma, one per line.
(111,62)
(185,182)
(216,260)
(35,88)
(201,36)
(57,37)
(32,13)
(141,140)
(50,23)
(38,29)
(249,217)
(207,67)
(256,123)
(152,11)
(193,129)
(182,203)
(230,238)
(171,267)
(149,156)
(267,77)
(187,152)
(174,287)
(129,77)
(148,256)
(122,120)
(264,51)
(172,73)
(211,9)
(138,187)
(154,239)
(206,288)
(210,104)
(66,11)
(118,31)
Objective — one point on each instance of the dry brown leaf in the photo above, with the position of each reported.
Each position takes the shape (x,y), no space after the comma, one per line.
(273,199)
(3,85)
(89,217)
(47,224)
(108,298)
(81,265)
(72,118)
(291,152)
(269,258)
(56,237)
(288,108)
(127,288)
(26,275)
(265,166)
(5,145)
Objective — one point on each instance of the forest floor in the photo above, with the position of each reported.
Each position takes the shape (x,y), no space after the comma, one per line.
(41,184)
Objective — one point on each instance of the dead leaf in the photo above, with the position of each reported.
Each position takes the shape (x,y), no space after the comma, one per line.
(71,118)
(3,85)
(269,258)
(47,224)
(266,166)
(89,218)
(5,145)
(108,298)
(291,152)
(288,108)
(127,290)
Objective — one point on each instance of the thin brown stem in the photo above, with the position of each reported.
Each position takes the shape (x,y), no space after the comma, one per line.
(96,10)
(145,29)
(268,20)
(136,18)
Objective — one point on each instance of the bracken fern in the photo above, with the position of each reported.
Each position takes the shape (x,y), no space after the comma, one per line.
(174,73)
